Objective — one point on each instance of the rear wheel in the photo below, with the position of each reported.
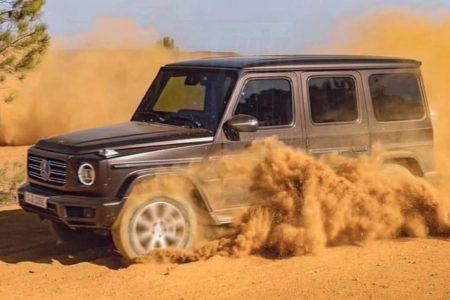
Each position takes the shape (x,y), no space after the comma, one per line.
(157,223)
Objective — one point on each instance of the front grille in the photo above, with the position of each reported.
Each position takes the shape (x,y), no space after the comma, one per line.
(57,170)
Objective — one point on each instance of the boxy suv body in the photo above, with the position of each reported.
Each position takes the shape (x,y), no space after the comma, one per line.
(196,110)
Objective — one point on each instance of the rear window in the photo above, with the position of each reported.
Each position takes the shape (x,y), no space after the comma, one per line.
(396,97)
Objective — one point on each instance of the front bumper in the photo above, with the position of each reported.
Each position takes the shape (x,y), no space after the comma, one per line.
(74,211)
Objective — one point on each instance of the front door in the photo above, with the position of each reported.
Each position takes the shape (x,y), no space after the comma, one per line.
(272,99)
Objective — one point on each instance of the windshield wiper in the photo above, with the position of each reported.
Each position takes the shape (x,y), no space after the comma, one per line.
(183,119)
(154,117)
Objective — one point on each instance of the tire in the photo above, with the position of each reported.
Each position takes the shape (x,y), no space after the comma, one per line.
(157,223)
(65,235)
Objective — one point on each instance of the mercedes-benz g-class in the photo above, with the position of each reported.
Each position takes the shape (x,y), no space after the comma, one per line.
(199,109)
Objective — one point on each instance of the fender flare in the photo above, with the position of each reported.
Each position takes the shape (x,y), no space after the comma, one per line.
(135,178)
(405,159)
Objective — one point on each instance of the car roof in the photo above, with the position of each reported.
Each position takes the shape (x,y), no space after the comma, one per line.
(298,62)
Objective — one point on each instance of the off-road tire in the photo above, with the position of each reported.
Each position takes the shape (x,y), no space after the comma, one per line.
(123,228)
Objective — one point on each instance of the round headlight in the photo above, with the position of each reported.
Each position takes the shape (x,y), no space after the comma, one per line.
(86,174)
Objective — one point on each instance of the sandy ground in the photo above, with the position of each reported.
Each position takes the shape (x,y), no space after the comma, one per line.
(12,154)
(12,171)
(32,266)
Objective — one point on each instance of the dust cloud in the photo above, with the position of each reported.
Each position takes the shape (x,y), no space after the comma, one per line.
(85,80)
(404,33)
(307,204)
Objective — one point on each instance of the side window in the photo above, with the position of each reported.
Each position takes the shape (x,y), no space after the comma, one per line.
(396,97)
(268,100)
(332,99)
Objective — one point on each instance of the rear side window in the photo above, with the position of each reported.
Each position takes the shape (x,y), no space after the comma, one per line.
(332,99)
(268,100)
(396,97)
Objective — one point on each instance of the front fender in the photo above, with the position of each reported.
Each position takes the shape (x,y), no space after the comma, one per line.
(141,176)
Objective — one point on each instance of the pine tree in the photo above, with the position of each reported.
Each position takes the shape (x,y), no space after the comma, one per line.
(23,37)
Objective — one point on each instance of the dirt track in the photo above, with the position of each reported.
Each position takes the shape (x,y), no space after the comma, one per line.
(32,266)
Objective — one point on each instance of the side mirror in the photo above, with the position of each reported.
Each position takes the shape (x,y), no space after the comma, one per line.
(239,123)
(243,123)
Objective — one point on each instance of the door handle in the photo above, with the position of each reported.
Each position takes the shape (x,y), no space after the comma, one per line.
(359,149)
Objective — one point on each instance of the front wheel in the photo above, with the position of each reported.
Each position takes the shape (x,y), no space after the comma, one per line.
(157,223)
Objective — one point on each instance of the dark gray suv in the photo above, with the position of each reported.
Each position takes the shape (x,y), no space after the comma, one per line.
(196,110)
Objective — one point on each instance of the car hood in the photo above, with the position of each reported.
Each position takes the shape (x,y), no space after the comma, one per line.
(124,136)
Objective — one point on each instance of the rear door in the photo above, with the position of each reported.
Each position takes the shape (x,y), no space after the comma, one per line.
(335,113)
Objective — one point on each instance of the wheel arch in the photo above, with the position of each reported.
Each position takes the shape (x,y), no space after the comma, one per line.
(405,159)
(200,197)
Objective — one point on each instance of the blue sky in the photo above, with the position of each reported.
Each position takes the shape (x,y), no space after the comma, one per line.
(245,26)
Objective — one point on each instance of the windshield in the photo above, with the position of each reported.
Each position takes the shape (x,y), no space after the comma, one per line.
(187,97)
